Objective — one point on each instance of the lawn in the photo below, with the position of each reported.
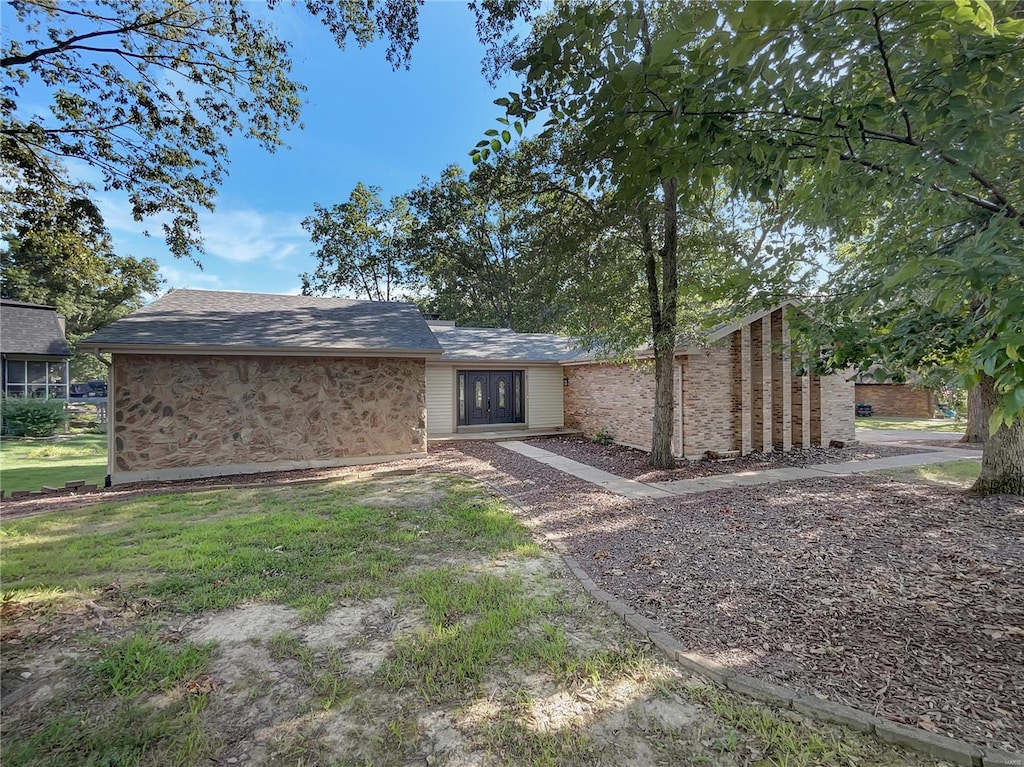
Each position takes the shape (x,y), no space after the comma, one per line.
(957,473)
(381,621)
(913,424)
(29,464)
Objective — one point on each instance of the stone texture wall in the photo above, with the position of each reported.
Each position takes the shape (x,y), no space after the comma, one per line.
(896,400)
(615,398)
(711,399)
(182,412)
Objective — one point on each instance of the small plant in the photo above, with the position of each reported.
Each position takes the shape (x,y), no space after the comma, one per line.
(603,437)
(32,417)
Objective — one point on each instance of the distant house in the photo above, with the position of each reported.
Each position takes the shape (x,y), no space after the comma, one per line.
(33,351)
(208,383)
(895,400)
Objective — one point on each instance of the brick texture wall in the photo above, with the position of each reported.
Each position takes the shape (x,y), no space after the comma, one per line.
(896,400)
(711,399)
(174,412)
(837,408)
(615,398)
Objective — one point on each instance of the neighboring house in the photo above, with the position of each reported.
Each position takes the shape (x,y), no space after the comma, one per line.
(34,352)
(894,400)
(208,383)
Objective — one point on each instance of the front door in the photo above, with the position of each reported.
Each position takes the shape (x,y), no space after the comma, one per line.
(492,397)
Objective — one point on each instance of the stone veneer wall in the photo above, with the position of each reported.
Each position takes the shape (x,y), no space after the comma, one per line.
(618,399)
(710,403)
(896,400)
(186,412)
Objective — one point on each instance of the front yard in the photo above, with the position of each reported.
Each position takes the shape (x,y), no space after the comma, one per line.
(29,464)
(903,599)
(355,622)
(913,424)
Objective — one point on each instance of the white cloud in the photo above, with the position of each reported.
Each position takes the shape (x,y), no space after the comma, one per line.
(246,236)
(189,278)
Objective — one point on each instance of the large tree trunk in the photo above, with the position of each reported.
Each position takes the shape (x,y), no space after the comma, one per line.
(977,418)
(662,297)
(1002,461)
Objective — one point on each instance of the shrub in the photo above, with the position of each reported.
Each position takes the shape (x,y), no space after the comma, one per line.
(32,417)
(603,437)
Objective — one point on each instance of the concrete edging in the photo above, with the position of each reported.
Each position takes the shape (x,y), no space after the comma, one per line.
(954,750)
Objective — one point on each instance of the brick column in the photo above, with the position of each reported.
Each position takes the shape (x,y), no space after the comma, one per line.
(801,411)
(815,411)
(679,438)
(761,384)
(741,398)
(782,390)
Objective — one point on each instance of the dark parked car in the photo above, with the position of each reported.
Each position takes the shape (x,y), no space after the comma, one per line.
(96,388)
(863,410)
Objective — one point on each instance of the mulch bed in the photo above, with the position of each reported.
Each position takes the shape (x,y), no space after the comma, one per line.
(904,600)
(634,464)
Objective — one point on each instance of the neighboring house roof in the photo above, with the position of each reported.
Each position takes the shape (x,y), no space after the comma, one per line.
(502,345)
(205,321)
(31,329)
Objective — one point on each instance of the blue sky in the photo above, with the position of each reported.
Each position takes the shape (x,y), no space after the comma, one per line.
(363,122)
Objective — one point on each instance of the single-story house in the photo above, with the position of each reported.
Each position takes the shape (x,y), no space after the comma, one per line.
(34,351)
(206,383)
(895,400)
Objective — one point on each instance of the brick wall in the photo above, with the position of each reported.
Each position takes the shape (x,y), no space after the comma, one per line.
(711,398)
(183,412)
(837,408)
(615,398)
(896,400)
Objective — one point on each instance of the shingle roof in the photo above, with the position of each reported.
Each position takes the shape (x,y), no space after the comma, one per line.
(502,345)
(31,329)
(263,321)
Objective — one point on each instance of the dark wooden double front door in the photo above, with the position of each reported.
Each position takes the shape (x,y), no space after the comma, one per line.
(492,397)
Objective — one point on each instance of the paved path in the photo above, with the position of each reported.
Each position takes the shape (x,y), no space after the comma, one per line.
(630,488)
(905,435)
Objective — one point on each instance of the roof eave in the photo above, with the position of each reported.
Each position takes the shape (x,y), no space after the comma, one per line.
(100,347)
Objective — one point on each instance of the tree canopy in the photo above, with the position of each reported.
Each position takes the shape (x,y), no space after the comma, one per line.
(891,125)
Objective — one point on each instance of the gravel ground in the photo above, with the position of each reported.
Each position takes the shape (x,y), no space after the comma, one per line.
(633,464)
(905,600)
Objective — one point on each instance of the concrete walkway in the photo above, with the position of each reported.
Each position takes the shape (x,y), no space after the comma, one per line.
(632,489)
(629,488)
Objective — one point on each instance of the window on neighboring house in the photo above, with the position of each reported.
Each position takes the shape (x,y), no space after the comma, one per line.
(36,378)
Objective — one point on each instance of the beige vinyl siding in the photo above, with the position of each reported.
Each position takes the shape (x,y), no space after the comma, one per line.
(543,397)
(440,399)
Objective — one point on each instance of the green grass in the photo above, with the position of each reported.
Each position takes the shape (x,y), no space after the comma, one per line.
(959,473)
(913,424)
(31,464)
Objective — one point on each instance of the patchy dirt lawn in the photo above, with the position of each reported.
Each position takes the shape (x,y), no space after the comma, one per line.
(902,599)
(633,464)
(395,621)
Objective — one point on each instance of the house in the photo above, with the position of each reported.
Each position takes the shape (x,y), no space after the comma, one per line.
(208,383)
(739,392)
(34,351)
(889,398)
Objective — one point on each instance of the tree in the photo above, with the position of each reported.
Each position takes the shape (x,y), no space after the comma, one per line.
(362,247)
(876,117)
(57,251)
(494,245)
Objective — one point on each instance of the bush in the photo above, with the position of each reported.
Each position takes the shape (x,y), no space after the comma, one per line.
(32,417)
(603,437)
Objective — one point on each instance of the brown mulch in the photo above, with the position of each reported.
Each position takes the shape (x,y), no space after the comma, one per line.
(634,464)
(904,600)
